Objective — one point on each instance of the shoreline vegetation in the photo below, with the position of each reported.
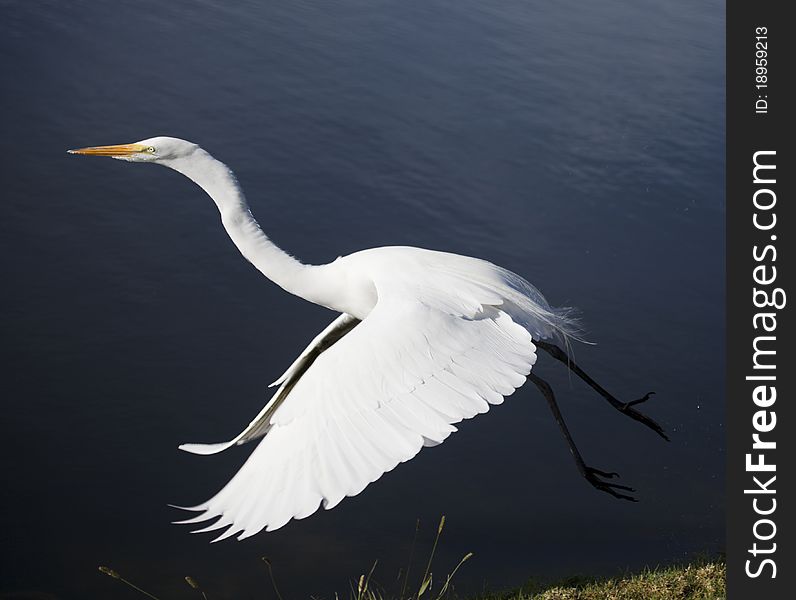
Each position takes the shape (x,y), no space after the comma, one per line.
(701,579)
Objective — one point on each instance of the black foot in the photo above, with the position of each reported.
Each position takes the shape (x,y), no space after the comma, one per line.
(592,475)
(623,407)
(644,398)
(631,412)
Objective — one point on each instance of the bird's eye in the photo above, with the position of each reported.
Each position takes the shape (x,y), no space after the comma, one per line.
(151,149)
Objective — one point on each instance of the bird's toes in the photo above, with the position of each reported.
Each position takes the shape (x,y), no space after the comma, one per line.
(644,398)
(614,489)
(606,474)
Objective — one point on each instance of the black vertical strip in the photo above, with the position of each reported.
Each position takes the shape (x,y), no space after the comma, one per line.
(760,272)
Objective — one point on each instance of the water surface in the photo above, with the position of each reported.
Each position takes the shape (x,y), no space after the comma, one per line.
(578,144)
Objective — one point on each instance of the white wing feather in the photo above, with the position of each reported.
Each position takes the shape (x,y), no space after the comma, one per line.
(399,380)
(432,352)
(260,425)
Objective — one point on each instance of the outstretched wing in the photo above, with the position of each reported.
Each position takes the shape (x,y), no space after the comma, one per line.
(260,425)
(397,381)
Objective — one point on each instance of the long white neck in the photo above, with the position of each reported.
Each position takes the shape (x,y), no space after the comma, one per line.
(215,178)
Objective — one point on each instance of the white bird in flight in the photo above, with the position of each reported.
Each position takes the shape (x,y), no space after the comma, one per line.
(423,340)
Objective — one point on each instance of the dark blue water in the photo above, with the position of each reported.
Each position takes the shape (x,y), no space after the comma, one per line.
(579,144)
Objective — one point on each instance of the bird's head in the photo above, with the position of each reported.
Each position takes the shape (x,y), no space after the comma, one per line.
(155,150)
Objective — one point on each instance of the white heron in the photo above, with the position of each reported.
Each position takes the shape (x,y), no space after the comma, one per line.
(423,340)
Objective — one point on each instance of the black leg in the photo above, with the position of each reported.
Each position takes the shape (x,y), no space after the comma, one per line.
(623,407)
(592,475)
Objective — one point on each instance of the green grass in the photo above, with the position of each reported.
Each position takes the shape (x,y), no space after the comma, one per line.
(701,579)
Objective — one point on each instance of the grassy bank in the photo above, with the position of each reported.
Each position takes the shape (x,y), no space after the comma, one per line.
(700,580)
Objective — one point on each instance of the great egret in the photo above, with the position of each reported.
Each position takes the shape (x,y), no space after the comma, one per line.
(424,339)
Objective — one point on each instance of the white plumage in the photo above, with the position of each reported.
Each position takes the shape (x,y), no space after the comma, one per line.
(425,339)
(398,381)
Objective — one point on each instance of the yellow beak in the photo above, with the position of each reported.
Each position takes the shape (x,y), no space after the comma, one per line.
(119,150)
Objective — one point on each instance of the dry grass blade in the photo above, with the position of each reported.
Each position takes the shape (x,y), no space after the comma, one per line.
(409,564)
(111,573)
(267,562)
(448,580)
(425,585)
(195,585)
(426,581)
(364,583)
